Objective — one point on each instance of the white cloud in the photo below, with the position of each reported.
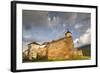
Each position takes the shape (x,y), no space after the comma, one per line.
(27,36)
(86,38)
(76,43)
(88,30)
(64,25)
(83,39)
(77,26)
(49,19)
(76,40)
(72,18)
(54,21)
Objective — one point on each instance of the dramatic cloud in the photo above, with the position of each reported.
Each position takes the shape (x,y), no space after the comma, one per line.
(83,39)
(45,26)
(86,38)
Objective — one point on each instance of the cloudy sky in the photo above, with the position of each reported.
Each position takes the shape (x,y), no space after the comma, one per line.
(45,26)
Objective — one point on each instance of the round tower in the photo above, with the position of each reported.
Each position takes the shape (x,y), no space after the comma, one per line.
(69,44)
(69,40)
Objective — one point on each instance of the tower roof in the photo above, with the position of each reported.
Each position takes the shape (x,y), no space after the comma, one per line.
(68,32)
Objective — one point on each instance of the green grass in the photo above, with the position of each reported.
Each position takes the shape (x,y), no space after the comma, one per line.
(80,58)
(74,58)
(59,59)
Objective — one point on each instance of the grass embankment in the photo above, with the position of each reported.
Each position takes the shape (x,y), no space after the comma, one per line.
(74,58)
(59,59)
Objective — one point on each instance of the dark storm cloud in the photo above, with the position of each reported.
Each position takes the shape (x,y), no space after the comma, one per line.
(35,18)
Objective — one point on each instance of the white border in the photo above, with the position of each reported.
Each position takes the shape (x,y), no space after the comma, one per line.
(37,65)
